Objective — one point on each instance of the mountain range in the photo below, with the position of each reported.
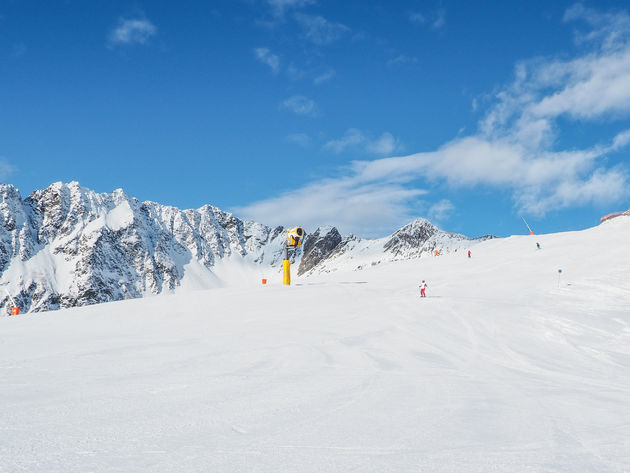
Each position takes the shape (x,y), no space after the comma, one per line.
(68,246)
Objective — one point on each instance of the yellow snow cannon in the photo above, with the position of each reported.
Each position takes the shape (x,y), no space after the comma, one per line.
(295,237)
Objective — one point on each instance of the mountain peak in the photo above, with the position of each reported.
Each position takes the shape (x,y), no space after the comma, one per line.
(419,222)
(9,192)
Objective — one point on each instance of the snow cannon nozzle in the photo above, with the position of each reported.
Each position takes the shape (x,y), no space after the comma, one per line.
(295,237)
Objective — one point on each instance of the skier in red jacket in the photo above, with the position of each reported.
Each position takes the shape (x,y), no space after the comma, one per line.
(423,288)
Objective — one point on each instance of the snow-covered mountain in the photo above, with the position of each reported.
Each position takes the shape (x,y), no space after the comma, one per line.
(417,239)
(68,246)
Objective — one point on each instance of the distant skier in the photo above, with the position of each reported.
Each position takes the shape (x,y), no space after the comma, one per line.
(423,288)
(537,246)
(469,253)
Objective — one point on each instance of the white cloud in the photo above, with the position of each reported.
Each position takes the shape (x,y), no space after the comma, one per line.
(608,30)
(441,210)
(600,187)
(265,56)
(364,208)
(515,149)
(325,77)
(402,59)
(320,31)
(6,168)
(586,88)
(352,137)
(383,145)
(132,31)
(621,140)
(593,86)
(436,19)
(294,72)
(301,139)
(279,7)
(541,180)
(440,19)
(417,17)
(301,105)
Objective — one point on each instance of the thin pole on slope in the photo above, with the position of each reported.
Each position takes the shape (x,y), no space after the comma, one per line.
(528,227)
(12,302)
(11,298)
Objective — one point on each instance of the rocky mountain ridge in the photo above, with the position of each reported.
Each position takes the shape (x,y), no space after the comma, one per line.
(68,246)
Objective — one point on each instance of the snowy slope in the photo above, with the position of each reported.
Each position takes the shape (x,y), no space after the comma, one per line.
(504,368)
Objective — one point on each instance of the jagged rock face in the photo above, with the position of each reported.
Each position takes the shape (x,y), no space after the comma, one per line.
(317,247)
(16,227)
(411,238)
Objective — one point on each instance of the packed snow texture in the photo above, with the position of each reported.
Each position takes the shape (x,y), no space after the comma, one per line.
(507,366)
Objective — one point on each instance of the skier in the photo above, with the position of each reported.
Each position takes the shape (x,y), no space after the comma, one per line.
(469,253)
(423,288)
(537,246)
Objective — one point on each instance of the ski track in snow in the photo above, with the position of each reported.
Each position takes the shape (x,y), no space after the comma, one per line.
(500,369)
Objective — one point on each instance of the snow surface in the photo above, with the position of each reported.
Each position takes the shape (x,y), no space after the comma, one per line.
(507,366)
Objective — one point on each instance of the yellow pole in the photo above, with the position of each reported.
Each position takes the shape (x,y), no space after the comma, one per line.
(286,272)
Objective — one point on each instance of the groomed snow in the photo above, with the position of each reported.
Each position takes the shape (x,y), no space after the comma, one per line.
(507,366)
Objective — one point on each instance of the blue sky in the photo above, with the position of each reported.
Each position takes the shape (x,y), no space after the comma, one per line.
(360,114)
